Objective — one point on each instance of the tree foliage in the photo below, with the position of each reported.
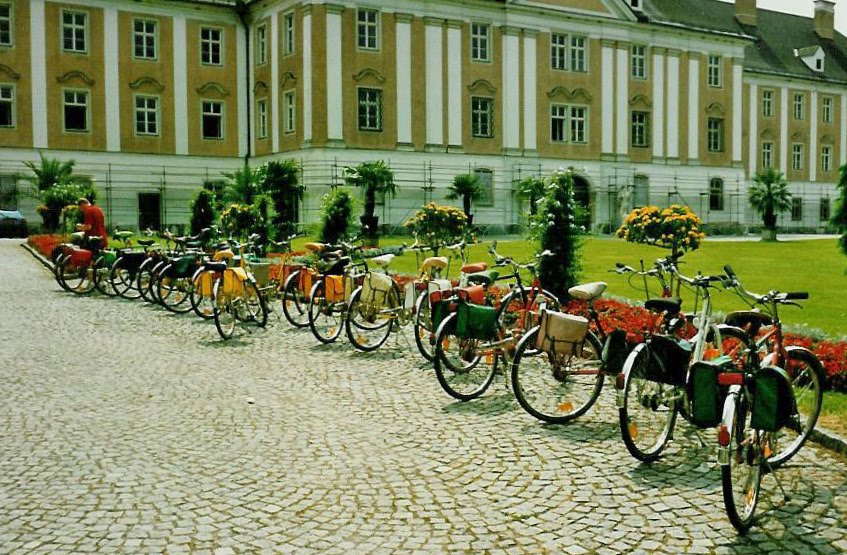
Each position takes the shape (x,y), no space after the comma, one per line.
(336,213)
(769,196)
(467,187)
(839,218)
(242,185)
(281,182)
(202,211)
(558,231)
(374,177)
(49,172)
(531,189)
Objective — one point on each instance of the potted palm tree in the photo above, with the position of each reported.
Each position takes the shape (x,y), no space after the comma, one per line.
(769,197)
(467,187)
(373,177)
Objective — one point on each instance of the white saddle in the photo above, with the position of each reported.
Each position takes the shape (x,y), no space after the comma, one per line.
(588,291)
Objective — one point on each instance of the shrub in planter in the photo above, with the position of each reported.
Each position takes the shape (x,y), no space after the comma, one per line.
(336,212)
(240,220)
(280,181)
(676,228)
(202,211)
(373,177)
(438,225)
(558,231)
(468,188)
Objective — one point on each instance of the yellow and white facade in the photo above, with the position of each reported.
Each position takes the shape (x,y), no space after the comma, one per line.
(154,97)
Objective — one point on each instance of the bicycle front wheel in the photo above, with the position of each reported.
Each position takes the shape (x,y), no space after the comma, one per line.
(295,301)
(254,304)
(368,325)
(77,279)
(225,310)
(326,318)
(556,389)
(102,281)
(741,474)
(122,276)
(202,294)
(464,367)
(646,408)
(174,292)
(424,334)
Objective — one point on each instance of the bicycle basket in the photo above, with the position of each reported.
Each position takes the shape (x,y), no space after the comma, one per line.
(476,321)
(375,288)
(615,351)
(561,333)
(334,286)
(674,355)
(261,272)
(773,399)
(705,397)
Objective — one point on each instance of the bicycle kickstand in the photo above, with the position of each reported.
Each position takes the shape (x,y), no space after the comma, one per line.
(785,497)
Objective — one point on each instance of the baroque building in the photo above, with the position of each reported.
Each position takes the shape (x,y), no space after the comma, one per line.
(651,101)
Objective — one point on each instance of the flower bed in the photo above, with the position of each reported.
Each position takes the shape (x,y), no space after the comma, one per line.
(45,244)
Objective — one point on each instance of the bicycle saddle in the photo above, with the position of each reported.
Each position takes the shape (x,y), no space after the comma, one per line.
(145,242)
(216,266)
(123,234)
(486,277)
(587,291)
(434,263)
(225,254)
(314,247)
(333,267)
(381,261)
(753,318)
(474,268)
(670,306)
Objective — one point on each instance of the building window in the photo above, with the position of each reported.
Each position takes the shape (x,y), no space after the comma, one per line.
(480,42)
(262,118)
(824,210)
(714,135)
(767,155)
(568,124)
(716,194)
(368,29)
(640,129)
(796,209)
(7,106)
(211,46)
(715,71)
(261,44)
(826,158)
(213,119)
(639,62)
(288,34)
(144,38)
(482,114)
(76,111)
(370,109)
(146,115)
(558,123)
(559,51)
(767,103)
(578,50)
(826,112)
(579,124)
(486,182)
(799,106)
(289,107)
(74,31)
(5,25)
(797,151)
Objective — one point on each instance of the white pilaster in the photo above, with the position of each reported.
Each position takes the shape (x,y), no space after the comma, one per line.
(242,92)
(180,87)
(843,136)
(673,106)
(454,85)
(111,78)
(251,96)
(307,77)
(813,138)
(622,102)
(693,110)
(737,118)
(434,85)
(403,53)
(39,73)
(753,128)
(607,99)
(511,91)
(334,108)
(783,130)
(658,105)
(530,131)
(275,111)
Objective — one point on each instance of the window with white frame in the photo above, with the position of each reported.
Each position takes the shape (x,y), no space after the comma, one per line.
(568,52)
(75,110)
(640,129)
(559,51)
(797,154)
(715,134)
(796,209)
(5,24)
(799,106)
(144,38)
(826,158)
(716,195)
(289,107)
(7,106)
(767,155)
(826,110)
(288,34)
(578,54)
(367,29)
(213,119)
(558,123)
(579,124)
(767,103)
(261,44)
(74,31)
(482,115)
(480,42)
(370,109)
(262,118)
(639,61)
(211,46)
(715,71)
(825,210)
(146,115)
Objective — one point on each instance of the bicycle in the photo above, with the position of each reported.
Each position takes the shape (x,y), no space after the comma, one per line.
(331,292)
(237,296)
(77,267)
(123,273)
(298,284)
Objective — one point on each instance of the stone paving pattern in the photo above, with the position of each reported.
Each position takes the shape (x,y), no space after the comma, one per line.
(125,429)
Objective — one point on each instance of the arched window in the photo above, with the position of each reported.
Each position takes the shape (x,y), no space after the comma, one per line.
(716,194)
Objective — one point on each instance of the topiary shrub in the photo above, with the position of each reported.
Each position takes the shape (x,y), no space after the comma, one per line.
(336,213)
(202,211)
(557,230)
(281,182)
(436,225)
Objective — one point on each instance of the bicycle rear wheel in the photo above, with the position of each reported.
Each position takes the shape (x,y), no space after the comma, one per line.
(225,309)
(254,304)
(368,326)
(646,408)
(102,281)
(741,473)
(78,279)
(295,301)
(202,294)
(556,390)
(57,270)
(464,367)
(424,334)
(123,279)
(146,278)
(174,292)
(326,318)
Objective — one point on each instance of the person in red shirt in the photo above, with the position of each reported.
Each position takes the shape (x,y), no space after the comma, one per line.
(94,223)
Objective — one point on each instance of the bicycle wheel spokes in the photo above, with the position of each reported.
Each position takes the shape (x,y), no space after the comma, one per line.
(368,324)
(424,332)
(464,367)
(741,476)
(326,318)
(295,300)
(202,295)
(254,304)
(646,408)
(225,310)
(78,279)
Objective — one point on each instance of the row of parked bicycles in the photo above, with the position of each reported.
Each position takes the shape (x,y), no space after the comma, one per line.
(733,374)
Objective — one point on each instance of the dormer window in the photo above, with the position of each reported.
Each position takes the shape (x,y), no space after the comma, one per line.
(813,56)
(819,64)
(635,4)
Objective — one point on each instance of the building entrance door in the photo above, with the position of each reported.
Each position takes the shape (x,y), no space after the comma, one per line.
(149,211)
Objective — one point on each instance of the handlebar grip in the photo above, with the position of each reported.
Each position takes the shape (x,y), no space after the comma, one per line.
(728,269)
(620,265)
(797,296)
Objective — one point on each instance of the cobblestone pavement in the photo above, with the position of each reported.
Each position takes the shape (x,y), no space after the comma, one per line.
(125,429)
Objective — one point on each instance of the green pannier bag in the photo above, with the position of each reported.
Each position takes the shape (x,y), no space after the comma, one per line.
(184,266)
(109,257)
(476,321)
(440,311)
(773,399)
(705,396)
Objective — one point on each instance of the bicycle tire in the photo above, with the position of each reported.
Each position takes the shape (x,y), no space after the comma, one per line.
(295,305)
(643,411)
(123,279)
(741,476)
(145,278)
(174,292)
(326,319)
(424,334)
(463,382)
(203,304)
(553,393)
(79,281)
(224,312)
(364,335)
(254,304)
(57,271)
(101,277)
